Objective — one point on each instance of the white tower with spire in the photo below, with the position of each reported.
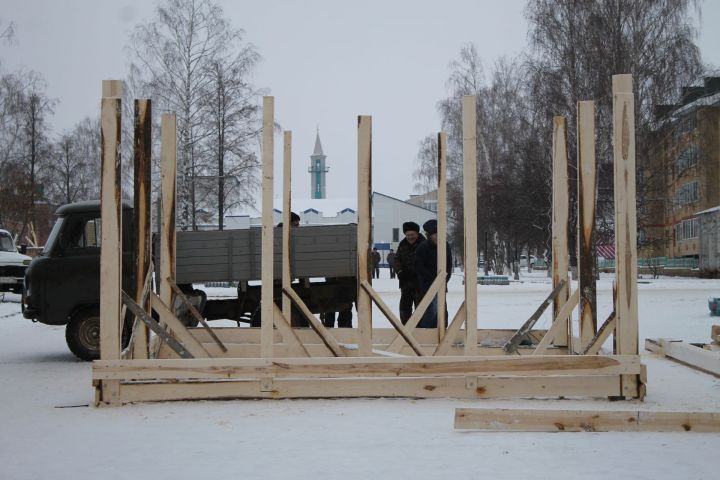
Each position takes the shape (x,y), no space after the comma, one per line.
(317,170)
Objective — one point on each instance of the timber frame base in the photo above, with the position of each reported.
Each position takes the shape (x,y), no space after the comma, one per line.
(455,360)
(491,374)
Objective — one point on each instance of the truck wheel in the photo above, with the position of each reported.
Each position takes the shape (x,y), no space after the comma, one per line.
(82,334)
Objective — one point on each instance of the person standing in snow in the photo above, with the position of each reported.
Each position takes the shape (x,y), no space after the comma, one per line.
(391,262)
(426,267)
(405,269)
(376,263)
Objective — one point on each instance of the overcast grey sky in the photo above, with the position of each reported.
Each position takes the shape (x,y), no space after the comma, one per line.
(324,61)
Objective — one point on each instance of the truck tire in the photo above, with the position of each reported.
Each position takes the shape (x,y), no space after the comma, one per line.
(82,333)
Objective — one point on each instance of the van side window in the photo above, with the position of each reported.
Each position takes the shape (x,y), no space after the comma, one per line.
(86,234)
(92,233)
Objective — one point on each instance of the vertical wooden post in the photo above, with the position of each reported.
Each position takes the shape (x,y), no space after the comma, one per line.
(586,190)
(442,230)
(470,219)
(111,242)
(560,219)
(168,177)
(287,205)
(112,88)
(626,307)
(364,234)
(266,292)
(142,214)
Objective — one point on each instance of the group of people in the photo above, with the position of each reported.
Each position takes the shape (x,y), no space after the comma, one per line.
(415,265)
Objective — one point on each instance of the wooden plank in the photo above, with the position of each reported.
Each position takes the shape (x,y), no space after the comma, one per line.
(198,316)
(469,121)
(558,326)
(450,387)
(364,233)
(287,208)
(168,318)
(288,334)
(715,333)
(333,367)
(586,191)
(140,313)
(406,335)
(531,420)
(706,360)
(283,350)
(168,175)
(625,215)
(560,221)
(111,250)
(266,295)
(626,305)
(442,232)
(142,195)
(315,324)
(381,336)
(512,344)
(607,328)
(451,332)
(411,325)
(111,212)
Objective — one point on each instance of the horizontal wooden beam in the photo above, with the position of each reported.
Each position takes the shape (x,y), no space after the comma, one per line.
(706,360)
(282,349)
(527,420)
(227,368)
(440,387)
(380,336)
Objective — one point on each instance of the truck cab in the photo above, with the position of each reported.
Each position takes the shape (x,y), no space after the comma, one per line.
(12,264)
(62,284)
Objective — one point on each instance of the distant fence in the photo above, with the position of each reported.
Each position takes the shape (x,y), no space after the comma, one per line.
(664,262)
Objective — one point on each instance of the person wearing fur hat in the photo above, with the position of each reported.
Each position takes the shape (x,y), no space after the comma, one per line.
(426,268)
(405,269)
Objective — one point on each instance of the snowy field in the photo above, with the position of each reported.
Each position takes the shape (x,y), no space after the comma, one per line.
(49,431)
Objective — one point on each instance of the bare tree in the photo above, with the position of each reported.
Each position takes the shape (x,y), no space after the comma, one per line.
(73,175)
(175,54)
(233,112)
(579,44)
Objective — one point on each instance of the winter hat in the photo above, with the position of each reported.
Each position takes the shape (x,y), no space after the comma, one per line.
(430,226)
(408,226)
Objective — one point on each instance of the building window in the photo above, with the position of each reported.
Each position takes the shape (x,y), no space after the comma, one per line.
(687,229)
(686,159)
(396,235)
(686,195)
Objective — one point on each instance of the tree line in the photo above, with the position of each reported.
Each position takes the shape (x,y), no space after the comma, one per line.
(189,59)
(575,46)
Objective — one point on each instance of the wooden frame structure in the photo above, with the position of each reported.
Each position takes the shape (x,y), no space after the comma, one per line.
(457,360)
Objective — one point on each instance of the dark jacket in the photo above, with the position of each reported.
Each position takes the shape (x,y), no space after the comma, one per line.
(426,264)
(405,263)
(375,258)
(391,259)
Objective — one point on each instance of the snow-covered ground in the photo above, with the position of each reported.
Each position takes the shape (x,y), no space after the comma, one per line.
(48,431)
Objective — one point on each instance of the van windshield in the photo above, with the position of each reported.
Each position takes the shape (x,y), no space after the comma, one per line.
(52,239)
(6,243)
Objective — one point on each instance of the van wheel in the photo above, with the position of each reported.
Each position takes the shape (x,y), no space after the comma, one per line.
(82,334)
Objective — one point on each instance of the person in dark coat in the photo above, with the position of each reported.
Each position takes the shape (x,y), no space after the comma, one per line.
(405,269)
(391,262)
(376,263)
(426,268)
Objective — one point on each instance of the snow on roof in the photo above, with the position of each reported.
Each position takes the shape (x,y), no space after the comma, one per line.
(327,207)
(709,210)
